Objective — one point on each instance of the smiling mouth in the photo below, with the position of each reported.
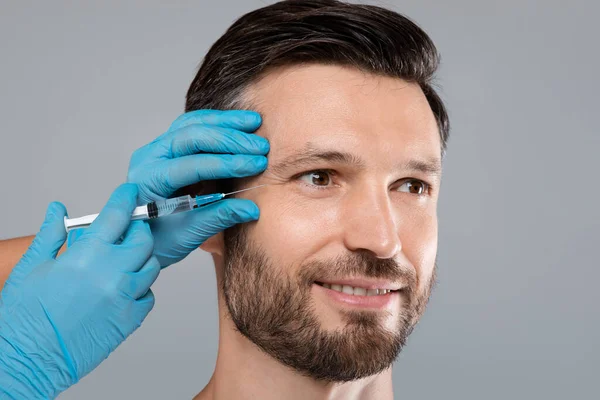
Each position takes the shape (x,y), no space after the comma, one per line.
(356,291)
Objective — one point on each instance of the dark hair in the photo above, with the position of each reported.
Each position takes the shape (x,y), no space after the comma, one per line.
(367,37)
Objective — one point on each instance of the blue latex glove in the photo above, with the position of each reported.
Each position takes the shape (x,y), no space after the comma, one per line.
(61,317)
(200,145)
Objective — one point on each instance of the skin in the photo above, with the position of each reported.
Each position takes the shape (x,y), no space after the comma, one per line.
(357,220)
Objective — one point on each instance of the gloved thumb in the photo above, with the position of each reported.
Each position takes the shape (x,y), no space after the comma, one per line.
(50,238)
(45,246)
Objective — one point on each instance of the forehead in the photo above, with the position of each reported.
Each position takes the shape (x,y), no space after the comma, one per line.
(380,118)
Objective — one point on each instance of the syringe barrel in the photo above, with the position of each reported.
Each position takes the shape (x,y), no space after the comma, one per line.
(173,206)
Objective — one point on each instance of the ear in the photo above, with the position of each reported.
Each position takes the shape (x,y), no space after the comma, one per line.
(214,244)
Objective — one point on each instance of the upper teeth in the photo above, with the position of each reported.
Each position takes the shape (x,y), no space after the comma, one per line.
(357,291)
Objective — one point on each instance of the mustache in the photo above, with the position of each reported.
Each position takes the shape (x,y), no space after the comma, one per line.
(359,264)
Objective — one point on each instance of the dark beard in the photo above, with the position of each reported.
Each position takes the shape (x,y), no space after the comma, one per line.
(276,312)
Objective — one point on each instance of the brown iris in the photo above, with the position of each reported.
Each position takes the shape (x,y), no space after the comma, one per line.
(416,187)
(324,178)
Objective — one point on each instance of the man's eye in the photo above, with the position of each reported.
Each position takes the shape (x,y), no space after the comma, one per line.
(414,186)
(320,178)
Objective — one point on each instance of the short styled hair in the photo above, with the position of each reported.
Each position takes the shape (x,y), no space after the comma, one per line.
(370,38)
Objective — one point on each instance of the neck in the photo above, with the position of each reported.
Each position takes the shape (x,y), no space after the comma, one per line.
(244,371)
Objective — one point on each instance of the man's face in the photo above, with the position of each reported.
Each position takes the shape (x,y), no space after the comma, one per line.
(353,194)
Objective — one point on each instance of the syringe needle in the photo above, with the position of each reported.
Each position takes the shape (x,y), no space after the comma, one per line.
(243,190)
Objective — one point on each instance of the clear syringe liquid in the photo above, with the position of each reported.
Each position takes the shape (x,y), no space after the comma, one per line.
(163,208)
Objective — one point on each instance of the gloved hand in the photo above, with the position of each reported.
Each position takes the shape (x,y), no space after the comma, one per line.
(60,317)
(200,145)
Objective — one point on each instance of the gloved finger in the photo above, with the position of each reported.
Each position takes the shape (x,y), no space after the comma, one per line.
(141,308)
(179,172)
(136,284)
(197,138)
(145,304)
(209,220)
(45,245)
(187,231)
(52,234)
(241,120)
(115,217)
(136,247)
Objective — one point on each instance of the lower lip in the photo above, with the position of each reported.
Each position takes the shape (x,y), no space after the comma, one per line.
(373,302)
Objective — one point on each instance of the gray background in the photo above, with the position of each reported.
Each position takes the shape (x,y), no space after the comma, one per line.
(515,312)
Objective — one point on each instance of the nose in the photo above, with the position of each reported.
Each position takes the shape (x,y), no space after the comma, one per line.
(370,224)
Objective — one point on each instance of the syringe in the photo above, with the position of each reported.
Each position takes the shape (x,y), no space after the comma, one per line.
(157,209)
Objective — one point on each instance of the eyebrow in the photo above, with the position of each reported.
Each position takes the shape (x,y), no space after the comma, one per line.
(311,154)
